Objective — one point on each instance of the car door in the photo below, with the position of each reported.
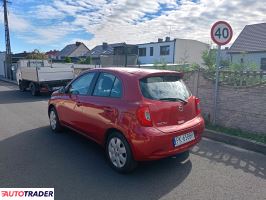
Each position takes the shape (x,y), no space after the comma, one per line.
(100,109)
(71,107)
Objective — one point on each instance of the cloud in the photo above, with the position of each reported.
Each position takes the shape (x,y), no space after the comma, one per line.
(47,12)
(16,22)
(132,21)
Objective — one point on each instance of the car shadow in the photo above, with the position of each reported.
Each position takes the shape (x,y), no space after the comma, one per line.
(15,96)
(248,161)
(77,168)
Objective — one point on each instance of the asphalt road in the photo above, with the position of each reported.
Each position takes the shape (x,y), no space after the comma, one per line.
(32,156)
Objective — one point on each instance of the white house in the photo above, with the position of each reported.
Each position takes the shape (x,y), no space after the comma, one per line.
(250,46)
(2,64)
(176,51)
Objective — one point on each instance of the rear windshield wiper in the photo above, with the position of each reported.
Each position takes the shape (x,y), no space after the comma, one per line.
(174,99)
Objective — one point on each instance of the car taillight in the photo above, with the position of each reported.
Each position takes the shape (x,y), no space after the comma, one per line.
(144,116)
(197,102)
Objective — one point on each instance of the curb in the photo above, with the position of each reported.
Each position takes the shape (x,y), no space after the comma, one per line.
(8,81)
(236,141)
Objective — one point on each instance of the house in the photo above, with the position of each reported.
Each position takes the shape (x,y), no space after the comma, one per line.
(52,54)
(74,51)
(117,54)
(250,46)
(176,51)
(15,58)
(18,56)
(2,64)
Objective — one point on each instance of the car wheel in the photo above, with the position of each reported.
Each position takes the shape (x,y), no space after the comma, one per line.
(54,121)
(34,90)
(182,156)
(119,153)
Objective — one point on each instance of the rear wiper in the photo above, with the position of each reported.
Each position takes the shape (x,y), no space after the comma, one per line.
(174,99)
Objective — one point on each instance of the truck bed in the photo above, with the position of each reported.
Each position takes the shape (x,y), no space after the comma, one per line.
(46,74)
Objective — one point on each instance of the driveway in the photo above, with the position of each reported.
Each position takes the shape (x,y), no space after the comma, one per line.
(32,156)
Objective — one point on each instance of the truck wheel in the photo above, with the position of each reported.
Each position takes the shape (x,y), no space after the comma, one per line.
(34,89)
(22,87)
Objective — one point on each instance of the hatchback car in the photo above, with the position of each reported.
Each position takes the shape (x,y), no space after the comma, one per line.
(135,114)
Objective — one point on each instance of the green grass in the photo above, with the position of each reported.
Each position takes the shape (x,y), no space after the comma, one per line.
(239,133)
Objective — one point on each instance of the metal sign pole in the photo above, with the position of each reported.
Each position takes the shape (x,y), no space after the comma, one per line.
(216,84)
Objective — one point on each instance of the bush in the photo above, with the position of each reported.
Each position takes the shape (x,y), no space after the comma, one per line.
(68,60)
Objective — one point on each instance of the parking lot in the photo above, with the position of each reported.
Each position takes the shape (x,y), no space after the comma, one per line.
(31,155)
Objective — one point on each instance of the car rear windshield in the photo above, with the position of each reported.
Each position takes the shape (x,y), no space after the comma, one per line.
(168,88)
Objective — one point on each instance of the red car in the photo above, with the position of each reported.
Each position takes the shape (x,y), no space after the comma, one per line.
(135,114)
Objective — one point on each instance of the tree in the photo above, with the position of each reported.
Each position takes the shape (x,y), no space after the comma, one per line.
(37,55)
(209,58)
(68,60)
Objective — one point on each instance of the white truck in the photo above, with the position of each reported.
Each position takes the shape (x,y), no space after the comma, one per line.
(42,76)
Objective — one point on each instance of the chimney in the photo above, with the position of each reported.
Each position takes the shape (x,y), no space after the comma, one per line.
(105,45)
(160,40)
(78,43)
(167,39)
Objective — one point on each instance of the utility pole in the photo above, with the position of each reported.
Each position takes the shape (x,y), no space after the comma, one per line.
(8,58)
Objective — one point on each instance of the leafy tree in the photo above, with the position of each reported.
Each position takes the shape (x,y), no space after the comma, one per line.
(68,60)
(209,59)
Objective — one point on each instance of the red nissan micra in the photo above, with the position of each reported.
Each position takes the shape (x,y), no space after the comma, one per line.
(135,114)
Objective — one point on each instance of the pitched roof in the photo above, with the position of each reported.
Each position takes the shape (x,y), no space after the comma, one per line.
(100,50)
(251,39)
(65,52)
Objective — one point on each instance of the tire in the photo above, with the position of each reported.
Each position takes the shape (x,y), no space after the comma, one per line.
(34,89)
(54,120)
(119,154)
(181,157)
(21,86)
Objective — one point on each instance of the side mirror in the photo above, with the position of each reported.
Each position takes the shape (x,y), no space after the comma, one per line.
(74,92)
(62,90)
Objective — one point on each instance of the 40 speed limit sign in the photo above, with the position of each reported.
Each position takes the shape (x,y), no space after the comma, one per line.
(221,33)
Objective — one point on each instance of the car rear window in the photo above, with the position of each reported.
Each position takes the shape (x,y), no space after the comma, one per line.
(170,88)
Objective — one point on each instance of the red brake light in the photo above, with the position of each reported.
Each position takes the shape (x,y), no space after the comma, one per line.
(197,102)
(144,116)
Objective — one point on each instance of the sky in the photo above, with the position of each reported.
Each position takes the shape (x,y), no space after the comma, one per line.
(51,24)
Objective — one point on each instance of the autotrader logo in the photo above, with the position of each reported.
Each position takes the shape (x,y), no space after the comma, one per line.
(26,193)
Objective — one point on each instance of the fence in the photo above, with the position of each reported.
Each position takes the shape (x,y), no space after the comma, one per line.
(239,79)
(241,101)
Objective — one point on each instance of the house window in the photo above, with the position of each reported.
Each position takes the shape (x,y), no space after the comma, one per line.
(164,50)
(142,51)
(263,64)
(151,51)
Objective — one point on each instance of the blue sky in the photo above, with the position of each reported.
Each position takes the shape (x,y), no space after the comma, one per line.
(51,24)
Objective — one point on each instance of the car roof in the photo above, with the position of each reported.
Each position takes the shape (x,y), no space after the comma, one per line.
(138,72)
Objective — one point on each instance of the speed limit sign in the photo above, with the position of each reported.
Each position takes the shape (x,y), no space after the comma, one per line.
(221,33)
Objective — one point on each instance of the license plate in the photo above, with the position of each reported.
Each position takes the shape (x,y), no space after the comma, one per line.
(182,139)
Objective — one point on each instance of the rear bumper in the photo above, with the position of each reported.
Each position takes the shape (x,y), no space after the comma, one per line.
(149,143)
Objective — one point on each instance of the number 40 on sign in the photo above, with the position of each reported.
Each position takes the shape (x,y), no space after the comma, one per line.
(221,33)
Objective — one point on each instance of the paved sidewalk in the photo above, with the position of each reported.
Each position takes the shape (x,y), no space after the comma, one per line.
(8,80)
